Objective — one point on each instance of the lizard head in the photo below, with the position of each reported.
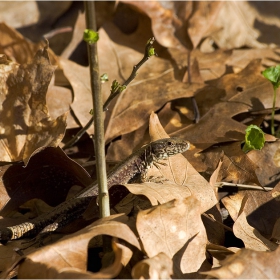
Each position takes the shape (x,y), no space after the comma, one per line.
(164,148)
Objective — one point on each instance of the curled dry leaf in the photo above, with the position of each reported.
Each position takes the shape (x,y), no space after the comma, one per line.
(204,15)
(250,236)
(24,120)
(157,267)
(73,272)
(47,172)
(18,48)
(71,251)
(166,21)
(106,273)
(176,229)
(248,264)
(262,209)
(234,26)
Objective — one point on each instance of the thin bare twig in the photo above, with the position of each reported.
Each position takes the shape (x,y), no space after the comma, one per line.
(242,186)
(115,91)
(194,103)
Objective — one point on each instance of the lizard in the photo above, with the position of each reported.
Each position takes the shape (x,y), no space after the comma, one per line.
(136,164)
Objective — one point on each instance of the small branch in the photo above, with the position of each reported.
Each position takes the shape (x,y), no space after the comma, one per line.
(79,134)
(149,51)
(242,186)
(57,31)
(132,75)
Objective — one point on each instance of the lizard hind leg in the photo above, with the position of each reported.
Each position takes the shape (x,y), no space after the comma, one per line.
(59,223)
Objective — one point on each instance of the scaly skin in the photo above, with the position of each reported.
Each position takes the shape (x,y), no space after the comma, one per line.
(64,213)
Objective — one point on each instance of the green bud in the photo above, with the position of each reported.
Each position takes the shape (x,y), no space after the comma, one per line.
(90,36)
(114,86)
(151,52)
(104,78)
(122,88)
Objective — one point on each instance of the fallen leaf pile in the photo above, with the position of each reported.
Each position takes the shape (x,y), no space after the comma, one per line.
(212,212)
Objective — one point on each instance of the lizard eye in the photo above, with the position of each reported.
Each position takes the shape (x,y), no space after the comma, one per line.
(169,143)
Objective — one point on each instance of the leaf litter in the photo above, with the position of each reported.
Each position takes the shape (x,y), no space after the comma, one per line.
(178,224)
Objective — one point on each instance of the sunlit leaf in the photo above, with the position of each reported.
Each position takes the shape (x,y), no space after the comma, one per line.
(273,75)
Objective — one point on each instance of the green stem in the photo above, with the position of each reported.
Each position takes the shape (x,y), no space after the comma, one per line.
(98,114)
(104,203)
(273,112)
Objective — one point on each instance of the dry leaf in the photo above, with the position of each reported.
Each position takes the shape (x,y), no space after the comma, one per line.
(203,17)
(250,236)
(262,210)
(47,172)
(234,26)
(248,264)
(17,48)
(167,23)
(174,228)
